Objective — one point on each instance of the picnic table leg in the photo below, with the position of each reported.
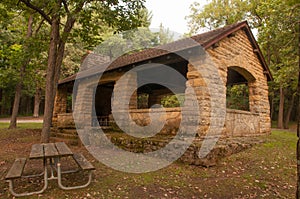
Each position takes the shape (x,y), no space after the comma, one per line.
(52,167)
(74,187)
(11,187)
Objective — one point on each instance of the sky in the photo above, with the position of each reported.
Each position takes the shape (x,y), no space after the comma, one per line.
(171,13)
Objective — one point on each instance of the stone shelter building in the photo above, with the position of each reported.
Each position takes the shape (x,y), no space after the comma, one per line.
(238,60)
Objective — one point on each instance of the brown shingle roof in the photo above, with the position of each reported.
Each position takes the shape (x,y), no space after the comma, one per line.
(206,40)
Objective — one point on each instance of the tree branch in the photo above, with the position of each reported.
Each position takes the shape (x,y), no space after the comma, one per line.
(42,13)
(66,6)
(39,26)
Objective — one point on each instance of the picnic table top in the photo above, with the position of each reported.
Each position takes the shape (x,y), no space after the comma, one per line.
(49,150)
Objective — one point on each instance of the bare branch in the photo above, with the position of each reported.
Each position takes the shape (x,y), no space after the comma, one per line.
(39,10)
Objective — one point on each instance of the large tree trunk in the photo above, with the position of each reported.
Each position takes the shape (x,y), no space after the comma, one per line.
(53,71)
(281,109)
(1,101)
(13,120)
(37,102)
(298,125)
(50,79)
(288,114)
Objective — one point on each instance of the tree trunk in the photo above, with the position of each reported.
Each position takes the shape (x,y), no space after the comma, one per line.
(298,125)
(55,58)
(272,108)
(288,114)
(28,105)
(50,79)
(13,120)
(1,101)
(37,101)
(281,109)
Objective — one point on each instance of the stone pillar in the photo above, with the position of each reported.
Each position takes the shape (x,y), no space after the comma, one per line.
(200,89)
(60,105)
(123,91)
(211,96)
(132,85)
(264,107)
(124,100)
(83,109)
(259,103)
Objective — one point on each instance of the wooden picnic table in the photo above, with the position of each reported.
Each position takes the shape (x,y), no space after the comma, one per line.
(52,155)
(50,150)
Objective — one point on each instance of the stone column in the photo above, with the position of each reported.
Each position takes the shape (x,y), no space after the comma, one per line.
(60,105)
(83,108)
(132,85)
(124,100)
(200,89)
(211,96)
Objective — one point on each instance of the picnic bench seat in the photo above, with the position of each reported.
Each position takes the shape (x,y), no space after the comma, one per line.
(17,169)
(82,162)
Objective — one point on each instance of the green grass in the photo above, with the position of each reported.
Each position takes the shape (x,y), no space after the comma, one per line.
(5,125)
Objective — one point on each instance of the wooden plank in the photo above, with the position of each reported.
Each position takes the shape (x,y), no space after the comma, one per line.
(37,151)
(63,149)
(82,162)
(17,169)
(50,150)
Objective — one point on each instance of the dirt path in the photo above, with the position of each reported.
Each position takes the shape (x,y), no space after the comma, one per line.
(24,119)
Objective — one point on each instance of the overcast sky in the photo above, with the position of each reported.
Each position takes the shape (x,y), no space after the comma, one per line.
(171,13)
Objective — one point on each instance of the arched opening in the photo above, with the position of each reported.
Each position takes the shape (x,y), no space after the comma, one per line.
(237,88)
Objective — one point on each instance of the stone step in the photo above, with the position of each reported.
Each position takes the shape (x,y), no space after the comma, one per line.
(73,142)
(68,131)
(66,136)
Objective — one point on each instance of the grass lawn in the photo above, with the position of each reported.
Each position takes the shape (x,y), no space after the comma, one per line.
(5,125)
(267,170)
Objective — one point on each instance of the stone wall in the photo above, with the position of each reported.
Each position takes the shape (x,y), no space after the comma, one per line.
(60,104)
(65,121)
(237,51)
(172,118)
(241,123)
(225,147)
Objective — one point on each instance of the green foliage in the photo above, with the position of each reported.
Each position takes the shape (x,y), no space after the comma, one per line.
(72,60)
(142,101)
(99,18)
(217,13)
(133,41)
(171,101)
(92,19)
(237,97)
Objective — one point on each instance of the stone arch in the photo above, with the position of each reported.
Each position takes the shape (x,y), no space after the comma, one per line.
(239,76)
(242,71)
